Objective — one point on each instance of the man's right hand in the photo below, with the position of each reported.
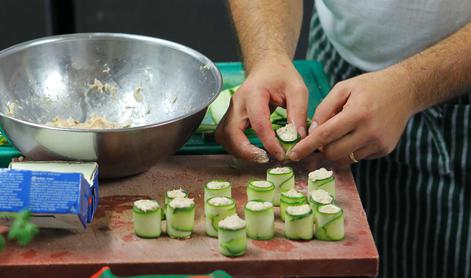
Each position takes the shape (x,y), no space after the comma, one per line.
(272,81)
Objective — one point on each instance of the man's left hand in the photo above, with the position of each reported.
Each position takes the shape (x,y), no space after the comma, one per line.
(364,115)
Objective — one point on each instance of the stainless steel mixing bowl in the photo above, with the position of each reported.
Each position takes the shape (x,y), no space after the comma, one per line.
(160,88)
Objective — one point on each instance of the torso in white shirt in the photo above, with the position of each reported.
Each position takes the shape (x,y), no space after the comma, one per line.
(373,34)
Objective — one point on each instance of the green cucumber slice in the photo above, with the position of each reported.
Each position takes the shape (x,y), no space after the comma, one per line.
(235,247)
(285,204)
(315,205)
(214,214)
(283,182)
(167,200)
(218,108)
(287,137)
(329,226)
(260,224)
(232,243)
(299,227)
(147,225)
(217,192)
(325,184)
(264,194)
(180,221)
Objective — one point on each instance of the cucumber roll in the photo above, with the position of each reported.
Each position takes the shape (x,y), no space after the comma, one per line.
(217,189)
(260,191)
(298,222)
(318,198)
(146,218)
(180,217)
(260,217)
(321,179)
(288,136)
(290,198)
(329,223)
(216,209)
(283,179)
(170,195)
(232,236)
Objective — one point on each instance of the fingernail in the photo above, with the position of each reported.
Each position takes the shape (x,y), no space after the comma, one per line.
(314,124)
(302,131)
(260,156)
(293,156)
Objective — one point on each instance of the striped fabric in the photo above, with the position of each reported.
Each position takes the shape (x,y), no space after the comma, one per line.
(418,199)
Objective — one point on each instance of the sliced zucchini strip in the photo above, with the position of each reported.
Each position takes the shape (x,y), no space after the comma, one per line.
(232,236)
(260,217)
(219,106)
(170,195)
(283,179)
(216,209)
(260,190)
(318,198)
(329,223)
(299,222)
(217,188)
(288,136)
(146,218)
(321,179)
(180,218)
(290,198)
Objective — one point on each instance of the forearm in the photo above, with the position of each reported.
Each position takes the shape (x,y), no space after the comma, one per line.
(266,27)
(440,72)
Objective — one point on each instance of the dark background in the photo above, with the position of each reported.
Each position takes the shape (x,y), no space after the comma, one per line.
(204,25)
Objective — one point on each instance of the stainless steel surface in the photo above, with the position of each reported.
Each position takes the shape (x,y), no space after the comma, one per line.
(50,77)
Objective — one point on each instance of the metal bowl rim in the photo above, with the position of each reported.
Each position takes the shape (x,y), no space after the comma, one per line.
(101,35)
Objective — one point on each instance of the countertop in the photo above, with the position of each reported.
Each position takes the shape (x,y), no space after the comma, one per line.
(110,239)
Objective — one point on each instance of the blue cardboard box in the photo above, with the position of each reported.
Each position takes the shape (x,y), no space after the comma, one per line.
(58,194)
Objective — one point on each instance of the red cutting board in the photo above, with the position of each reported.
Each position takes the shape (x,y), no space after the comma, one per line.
(110,239)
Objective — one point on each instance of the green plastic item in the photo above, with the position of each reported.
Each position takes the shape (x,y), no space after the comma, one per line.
(233,75)
(105,272)
(7,151)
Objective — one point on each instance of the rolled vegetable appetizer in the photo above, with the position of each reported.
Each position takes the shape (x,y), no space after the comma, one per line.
(329,223)
(290,198)
(180,217)
(299,222)
(260,191)
(170,195)
(283,179)
(232,236)
(321,179)
(146,218)
(318,198)
(260,217)
(217,189)
(216,209)
(288,136)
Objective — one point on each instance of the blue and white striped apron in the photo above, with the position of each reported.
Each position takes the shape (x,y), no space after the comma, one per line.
(418,198)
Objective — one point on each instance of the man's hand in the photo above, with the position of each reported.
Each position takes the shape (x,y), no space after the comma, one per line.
(365,115)
(272,82)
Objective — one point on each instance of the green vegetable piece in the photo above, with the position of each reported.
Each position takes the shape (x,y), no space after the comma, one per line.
(22,230)
(288,136)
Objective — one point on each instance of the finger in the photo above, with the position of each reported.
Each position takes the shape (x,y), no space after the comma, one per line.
(259,116)
(230,134)
(363,153)
(336,127)
(330,106)
(296,104)
(345,145)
